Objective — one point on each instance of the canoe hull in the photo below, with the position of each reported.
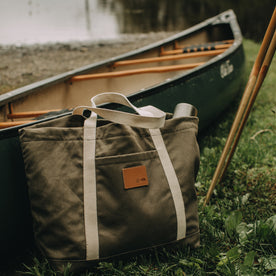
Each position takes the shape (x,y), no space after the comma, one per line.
(16,223)
(210,91)
(209,88)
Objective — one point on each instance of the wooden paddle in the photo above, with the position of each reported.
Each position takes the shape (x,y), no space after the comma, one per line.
(261,77)
(254,83)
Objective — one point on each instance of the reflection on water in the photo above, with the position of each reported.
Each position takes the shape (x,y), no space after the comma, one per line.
(146,16)
(40,21)
(170,15)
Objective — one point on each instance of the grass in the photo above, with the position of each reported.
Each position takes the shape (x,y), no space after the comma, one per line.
(238,227)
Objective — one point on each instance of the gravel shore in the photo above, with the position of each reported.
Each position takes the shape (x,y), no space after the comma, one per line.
(22,65)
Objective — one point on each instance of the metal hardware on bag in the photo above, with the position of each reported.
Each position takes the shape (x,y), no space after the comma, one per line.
(184,110)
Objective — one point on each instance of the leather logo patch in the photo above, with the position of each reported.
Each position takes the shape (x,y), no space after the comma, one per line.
(135,177)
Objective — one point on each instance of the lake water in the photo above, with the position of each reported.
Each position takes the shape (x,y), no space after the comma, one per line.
(43,21)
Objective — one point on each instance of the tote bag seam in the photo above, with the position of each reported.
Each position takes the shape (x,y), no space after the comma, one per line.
(163,131)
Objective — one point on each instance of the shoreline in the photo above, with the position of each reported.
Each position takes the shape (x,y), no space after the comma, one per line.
(25,64)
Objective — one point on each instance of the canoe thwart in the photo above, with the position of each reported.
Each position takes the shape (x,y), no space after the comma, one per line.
(159,69)
(168,58)
(29,114)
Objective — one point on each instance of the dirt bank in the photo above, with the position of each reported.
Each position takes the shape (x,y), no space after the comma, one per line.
(21,65)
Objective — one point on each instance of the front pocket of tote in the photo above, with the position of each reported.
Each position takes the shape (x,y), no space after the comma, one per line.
(136,218)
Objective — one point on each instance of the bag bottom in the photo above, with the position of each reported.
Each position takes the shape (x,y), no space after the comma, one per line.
(193,241)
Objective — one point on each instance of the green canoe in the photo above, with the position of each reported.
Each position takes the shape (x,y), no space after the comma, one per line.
(202,65)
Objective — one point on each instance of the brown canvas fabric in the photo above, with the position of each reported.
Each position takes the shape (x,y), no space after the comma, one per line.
(128,219)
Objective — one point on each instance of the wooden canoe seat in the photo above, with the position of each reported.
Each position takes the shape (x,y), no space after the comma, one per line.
(158,69)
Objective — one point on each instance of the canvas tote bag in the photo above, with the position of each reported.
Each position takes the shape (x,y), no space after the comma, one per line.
(104,187)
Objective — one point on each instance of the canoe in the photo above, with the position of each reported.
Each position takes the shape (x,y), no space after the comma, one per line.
(203,66)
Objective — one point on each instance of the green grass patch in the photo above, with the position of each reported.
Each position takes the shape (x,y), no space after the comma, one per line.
(238,227)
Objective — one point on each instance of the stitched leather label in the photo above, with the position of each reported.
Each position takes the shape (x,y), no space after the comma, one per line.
(135,177)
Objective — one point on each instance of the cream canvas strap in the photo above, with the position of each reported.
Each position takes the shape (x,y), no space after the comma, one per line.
(172,180)
(89,189)
(148,117)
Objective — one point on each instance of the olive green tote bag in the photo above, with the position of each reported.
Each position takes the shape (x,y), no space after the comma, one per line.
(104,187)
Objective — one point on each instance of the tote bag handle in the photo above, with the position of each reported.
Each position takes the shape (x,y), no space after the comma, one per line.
(146,117)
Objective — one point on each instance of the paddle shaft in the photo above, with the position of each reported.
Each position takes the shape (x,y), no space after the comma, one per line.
(248,94)
(261,77)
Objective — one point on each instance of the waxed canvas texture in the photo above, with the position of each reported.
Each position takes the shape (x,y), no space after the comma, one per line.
(128,220)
